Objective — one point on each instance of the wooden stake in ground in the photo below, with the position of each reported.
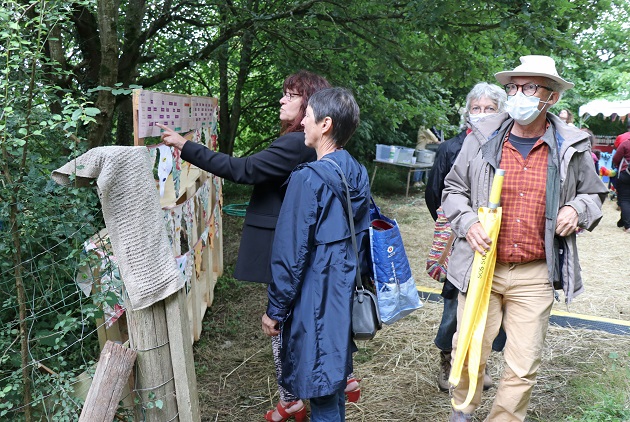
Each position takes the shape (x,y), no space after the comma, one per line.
(112,373)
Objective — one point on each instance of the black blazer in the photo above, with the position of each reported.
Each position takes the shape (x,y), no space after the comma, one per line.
(267,170)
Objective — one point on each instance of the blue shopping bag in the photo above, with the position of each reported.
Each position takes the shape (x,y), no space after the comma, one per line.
(395,286)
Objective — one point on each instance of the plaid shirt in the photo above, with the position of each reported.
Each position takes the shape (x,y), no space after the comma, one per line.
(522,234)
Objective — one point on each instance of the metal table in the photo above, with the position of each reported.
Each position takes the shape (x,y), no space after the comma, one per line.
(412,169)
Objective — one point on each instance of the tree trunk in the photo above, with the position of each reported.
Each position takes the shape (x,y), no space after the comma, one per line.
(124,122)
(243,71)
(131,53)
(108,71)
(225,144)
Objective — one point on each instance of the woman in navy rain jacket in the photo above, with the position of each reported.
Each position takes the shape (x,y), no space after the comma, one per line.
(313,262)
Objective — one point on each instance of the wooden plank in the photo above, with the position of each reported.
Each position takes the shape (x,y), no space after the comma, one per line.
(206,280)
(197,229)
(217,251)
(135,98)
(112,373)
(148,335)
(183,362)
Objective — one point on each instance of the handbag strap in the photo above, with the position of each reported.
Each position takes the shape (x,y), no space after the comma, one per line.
(375,209)
(447,249)
(353,236)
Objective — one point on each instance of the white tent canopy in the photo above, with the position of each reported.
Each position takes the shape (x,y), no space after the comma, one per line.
(619,108)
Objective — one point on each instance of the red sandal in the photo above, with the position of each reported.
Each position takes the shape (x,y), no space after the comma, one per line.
(353,396)
(299,415)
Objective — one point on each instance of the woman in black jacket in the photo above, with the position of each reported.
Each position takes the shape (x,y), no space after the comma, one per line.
(267,170)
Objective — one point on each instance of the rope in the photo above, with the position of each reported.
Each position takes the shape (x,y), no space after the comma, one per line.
(237,210)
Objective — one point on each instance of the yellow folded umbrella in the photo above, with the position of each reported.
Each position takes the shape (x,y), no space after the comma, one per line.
(470,336)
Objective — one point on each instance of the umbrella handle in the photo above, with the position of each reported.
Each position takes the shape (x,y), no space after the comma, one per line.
(495,192)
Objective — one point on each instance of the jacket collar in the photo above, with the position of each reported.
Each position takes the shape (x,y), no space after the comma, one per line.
(491,131)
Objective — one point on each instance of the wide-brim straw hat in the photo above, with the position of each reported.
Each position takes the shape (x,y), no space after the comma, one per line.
(543,66)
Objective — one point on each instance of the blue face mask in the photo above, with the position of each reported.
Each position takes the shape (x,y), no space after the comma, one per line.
(524,109)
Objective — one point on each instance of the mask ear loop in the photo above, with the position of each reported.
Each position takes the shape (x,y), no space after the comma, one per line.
(546,102)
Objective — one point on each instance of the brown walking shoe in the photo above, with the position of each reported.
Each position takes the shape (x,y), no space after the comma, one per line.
(445,371)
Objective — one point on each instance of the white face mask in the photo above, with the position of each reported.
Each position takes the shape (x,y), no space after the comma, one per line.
(522,108)
(474,118)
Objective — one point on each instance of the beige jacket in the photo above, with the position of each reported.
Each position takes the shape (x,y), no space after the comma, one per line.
(571,180)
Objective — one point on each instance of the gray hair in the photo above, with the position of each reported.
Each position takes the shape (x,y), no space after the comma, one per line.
(493,92)
(555,86)
(338,104)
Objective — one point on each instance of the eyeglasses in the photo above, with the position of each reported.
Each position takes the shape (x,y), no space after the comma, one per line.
(290,96)
(477,110)
(527,89)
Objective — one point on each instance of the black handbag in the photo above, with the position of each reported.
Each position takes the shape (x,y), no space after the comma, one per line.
(366,320)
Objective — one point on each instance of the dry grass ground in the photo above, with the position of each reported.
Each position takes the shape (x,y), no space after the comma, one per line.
(235,374)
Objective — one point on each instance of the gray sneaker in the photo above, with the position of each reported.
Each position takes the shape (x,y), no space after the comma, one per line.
(457,416)
(445,371)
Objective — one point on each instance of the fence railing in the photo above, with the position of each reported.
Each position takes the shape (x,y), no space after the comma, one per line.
(162,335)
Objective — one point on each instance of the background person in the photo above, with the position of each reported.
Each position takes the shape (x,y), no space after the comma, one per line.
(536,247)
(482,100)
(591,140)
(267,170)
(567,117)
(313,262)
(620,161)
(425,137)
(624,136)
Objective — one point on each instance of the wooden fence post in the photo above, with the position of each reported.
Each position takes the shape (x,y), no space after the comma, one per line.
(110,379)
(165,368)
(154,378)
(183,362)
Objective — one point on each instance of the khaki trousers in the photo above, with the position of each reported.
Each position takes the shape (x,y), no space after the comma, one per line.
(521,299)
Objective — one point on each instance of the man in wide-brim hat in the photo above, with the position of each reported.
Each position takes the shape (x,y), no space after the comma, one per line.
(550,190)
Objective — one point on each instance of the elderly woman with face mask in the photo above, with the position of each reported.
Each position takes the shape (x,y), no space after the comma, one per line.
(483,100)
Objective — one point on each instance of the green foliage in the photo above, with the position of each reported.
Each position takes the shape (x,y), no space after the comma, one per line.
(365,353)
(42,225)
(410,64)
(229,290)
(600,67)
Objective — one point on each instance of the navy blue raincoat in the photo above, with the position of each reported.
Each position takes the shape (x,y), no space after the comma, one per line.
(313,267)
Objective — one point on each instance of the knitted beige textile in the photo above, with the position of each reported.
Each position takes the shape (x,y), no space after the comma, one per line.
(133,216)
